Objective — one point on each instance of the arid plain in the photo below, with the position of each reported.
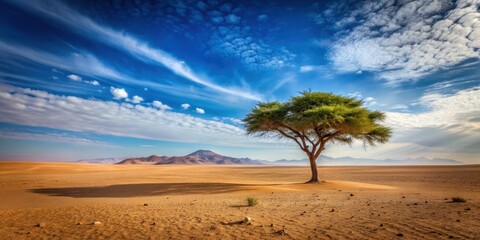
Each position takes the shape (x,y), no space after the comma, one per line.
(64,200)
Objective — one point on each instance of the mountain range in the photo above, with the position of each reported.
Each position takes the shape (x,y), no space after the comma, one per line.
(199,157)
(111,160)
(343,161)
(207,157)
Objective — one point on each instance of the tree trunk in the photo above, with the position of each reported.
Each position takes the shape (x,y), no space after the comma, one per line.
(313,167)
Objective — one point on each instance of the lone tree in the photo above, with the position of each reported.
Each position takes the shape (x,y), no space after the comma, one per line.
(314,119)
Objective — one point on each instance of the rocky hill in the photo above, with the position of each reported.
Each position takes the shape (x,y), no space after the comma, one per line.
(204,157)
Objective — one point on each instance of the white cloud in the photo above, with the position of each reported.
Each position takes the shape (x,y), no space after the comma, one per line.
(357,95)
(455,120)
(185,106)
(123,41)
(236,41)
(77,78)
(199,110)
(448,126)
(114,118)
(324,71)
(74,77)
(161,106)
(370,101)
(404,42)
(442,110)
(89,65)
(234,120)
(93,82)
(230,36)
(136,99)
(118,93)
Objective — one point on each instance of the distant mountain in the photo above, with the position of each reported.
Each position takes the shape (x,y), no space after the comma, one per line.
(206,157)
(111,160)
(325,160)
(203,157)
(151,160)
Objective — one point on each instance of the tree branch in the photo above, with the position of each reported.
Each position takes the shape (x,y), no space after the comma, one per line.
(305,146)
(319,135)
(291,137)
(302,136)
(291,129)
(329,136)
(320,149)
(308,139)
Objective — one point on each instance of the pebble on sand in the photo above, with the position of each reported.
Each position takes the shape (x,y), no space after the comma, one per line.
(247,219)
(97,223)
(42,224)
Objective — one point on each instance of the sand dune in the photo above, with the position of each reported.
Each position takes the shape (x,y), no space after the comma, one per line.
(208,202)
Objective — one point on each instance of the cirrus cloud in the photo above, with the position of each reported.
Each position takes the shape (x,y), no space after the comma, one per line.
(127,43)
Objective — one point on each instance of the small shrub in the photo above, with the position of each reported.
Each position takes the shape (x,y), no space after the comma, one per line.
(252,201)
(458,199)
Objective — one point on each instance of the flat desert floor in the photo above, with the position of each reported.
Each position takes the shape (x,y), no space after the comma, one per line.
(64,200)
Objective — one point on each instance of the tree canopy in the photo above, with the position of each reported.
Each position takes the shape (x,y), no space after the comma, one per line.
(313,119)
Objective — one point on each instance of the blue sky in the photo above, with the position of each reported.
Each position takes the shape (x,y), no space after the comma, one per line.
(90,79)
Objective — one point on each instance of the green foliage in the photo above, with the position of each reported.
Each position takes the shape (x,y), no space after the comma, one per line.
(319,117)
(458,199)
(252,201)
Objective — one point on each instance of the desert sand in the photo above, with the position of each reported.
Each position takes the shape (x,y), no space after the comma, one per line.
(63,200)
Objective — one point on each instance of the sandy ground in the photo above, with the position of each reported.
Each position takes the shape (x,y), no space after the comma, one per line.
(208,202)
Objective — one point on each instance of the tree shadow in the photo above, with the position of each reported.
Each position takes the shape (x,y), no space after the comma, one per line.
(144,189)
